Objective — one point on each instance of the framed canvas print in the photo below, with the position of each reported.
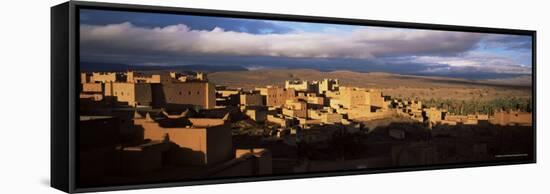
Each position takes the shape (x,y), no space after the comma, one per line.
(146,96)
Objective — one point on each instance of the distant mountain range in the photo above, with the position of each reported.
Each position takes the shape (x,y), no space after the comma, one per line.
(104,67)
(210,68)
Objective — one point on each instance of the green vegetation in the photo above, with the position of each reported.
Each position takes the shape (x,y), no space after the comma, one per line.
(463,107)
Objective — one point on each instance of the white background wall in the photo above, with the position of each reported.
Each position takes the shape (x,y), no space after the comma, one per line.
(24,104)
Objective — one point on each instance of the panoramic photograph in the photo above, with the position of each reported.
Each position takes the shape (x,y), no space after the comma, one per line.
(170,97)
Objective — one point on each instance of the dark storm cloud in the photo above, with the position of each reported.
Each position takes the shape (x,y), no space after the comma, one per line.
(160,39)
(363,43)
(399,42)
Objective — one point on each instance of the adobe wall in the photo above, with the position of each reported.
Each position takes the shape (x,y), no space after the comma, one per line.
(297,85)
(331,118)
(352,97)
(205,122)
(199,146)
(251,99)
(92,87)
(376,99)
(278,96)
(143,94)
(256,115)
(202,94)
(512,117)
(194,142)
(85,78)
(105,77)
(133,93)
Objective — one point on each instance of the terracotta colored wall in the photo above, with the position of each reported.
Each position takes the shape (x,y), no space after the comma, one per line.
(257,115)
(434,115)
(133,93)
(350,97)
(364,113)
(205,122)
(316,100)
(192,139)
(92,87)
(104,77)
(125,92)
(298,86)
(151,130)
(331,117)
(85,78)
(195,93)
(278,96)
(506,118)
(376,99)
(251,99)
(143,94)
(327,85)
(200,146)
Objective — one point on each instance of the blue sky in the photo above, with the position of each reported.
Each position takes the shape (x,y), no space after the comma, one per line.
(134,38)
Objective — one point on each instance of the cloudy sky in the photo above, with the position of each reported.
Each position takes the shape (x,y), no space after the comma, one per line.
(165,39)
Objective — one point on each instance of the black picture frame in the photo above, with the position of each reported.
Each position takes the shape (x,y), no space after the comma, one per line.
(64,84)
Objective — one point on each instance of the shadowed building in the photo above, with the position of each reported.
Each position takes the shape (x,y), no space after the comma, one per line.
(295,108)
(98,137)
(414,154)
(143,158)
(98,131)
(282,120)
(199,93)
(256,113)
(201,141)
(251,99)
(262,165)
(133,93)
(226,97)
